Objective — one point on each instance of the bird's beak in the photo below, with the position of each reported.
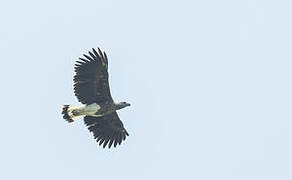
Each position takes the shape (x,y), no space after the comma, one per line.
(128,104)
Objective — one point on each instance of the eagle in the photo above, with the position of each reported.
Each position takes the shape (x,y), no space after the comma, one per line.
(91,87)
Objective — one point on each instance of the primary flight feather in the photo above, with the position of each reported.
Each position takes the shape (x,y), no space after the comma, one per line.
(91,87)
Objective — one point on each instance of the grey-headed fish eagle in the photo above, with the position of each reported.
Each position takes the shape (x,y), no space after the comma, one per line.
(91,87)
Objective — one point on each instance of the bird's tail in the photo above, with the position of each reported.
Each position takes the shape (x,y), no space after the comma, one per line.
(71,112)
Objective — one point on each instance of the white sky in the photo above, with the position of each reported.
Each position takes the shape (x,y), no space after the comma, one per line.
(209,83)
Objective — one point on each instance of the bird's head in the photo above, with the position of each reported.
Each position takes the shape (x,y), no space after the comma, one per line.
(121,105)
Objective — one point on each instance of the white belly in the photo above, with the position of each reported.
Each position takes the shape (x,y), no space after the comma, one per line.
(77,111)
(91,109)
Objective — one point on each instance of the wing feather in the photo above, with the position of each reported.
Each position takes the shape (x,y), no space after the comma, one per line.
(91,55)
(107,130)
(91,79)
(88,57)
(95,53)
(110,143)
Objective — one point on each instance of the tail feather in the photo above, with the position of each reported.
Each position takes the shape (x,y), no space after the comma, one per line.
(65,112)
(73,112)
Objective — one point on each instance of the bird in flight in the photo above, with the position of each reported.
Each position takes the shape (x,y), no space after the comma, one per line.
(91,87)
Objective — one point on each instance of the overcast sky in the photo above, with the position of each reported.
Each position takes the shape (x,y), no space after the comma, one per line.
(209,83)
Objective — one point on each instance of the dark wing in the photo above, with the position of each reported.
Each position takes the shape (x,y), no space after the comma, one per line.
(91,80)
(108,129)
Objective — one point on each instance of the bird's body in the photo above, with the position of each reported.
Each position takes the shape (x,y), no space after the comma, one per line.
(91,87)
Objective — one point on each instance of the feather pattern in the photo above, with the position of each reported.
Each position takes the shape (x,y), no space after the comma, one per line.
(91,80)
(109,129)
(91,86)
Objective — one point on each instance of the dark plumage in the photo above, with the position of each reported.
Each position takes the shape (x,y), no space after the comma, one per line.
(106,129)
(65,113)
(91,88)
(91,80)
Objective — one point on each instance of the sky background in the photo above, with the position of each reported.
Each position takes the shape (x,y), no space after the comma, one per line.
(209,83)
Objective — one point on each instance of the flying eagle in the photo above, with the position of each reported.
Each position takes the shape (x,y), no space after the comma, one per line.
(91,87)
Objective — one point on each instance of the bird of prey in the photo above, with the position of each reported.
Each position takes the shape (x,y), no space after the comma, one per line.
(91,87)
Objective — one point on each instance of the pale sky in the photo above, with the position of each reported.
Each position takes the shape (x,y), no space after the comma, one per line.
(209,84)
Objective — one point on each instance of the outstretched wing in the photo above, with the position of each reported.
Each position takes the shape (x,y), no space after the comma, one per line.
(108,129)
(91,80)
